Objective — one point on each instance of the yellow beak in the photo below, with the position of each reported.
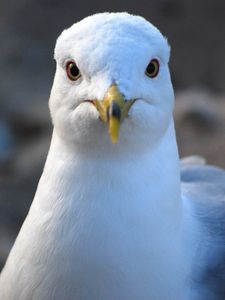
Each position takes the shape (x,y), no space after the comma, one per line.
(113,110)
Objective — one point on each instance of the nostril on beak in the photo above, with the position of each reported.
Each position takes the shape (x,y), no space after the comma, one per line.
(114,111)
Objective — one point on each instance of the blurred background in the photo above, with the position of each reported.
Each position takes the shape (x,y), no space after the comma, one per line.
(28,30)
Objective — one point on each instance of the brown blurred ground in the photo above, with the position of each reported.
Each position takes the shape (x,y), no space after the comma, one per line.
(28,30)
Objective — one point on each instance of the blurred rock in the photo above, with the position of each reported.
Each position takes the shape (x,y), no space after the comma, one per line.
(6,143)
(200,125)
(195,108)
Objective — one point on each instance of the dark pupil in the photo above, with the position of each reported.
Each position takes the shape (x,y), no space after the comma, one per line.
(74,71)
(150,68)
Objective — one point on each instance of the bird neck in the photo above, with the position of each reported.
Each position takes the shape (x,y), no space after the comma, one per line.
(150,177)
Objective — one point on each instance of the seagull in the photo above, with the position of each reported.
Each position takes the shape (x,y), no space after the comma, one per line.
(116,214)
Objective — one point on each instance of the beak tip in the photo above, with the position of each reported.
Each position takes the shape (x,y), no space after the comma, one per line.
(114,125)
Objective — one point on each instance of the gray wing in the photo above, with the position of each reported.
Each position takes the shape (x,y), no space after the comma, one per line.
(204,186)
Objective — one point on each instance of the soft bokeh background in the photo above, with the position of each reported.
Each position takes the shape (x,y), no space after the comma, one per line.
(28,30)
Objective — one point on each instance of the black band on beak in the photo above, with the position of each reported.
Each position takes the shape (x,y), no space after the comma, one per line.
(114,111)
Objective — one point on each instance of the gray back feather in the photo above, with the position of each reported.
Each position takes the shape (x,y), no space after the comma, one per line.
(204,187)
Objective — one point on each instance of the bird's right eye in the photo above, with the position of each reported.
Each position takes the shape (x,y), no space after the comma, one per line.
(72,71)
(152,69)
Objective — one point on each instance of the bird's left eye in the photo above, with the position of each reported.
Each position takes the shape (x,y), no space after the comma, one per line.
(72,71)
(152,69)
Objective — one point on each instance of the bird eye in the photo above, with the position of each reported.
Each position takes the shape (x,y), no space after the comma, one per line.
(152,69)
(72,71)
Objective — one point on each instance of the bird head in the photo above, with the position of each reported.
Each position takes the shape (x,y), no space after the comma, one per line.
(112,85)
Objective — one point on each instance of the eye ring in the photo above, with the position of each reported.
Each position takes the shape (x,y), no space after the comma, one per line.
(72,71)
(152,69)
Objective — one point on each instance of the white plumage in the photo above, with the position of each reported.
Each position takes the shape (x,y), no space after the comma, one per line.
(114,222)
